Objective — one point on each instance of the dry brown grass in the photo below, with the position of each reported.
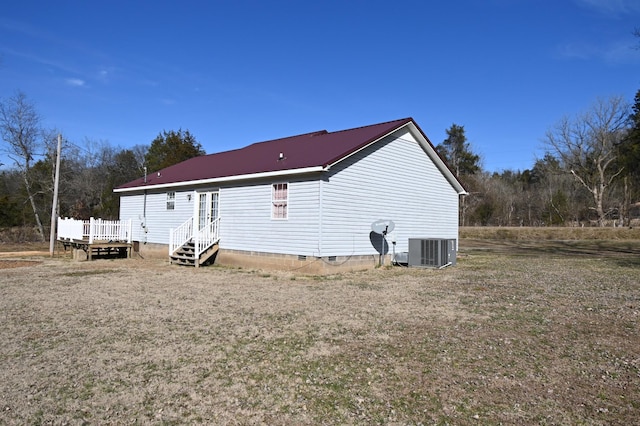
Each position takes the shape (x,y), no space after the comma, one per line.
(523,334)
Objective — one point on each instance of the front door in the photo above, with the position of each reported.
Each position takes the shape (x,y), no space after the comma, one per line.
(207,208)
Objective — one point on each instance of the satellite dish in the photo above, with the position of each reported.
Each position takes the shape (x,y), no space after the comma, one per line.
(383,226)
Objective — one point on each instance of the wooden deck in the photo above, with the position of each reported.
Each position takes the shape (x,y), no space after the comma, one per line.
(85,250)
(95,237)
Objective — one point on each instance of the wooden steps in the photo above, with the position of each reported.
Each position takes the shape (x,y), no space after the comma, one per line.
(186,255)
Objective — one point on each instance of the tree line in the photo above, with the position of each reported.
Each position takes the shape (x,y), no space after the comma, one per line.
(89,170)
(589,175)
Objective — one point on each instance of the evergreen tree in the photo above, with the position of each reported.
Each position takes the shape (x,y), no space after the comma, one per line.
(124,167)
(630,152)
(456,151)
(170,148)
(629,161)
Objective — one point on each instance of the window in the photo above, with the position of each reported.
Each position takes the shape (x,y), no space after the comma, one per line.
(171,200)
(279,200)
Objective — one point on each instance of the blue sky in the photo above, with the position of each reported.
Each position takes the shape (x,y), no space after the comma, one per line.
(238,72)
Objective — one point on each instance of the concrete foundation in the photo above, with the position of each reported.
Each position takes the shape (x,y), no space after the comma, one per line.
(271,261)
(293,263)
(151,251)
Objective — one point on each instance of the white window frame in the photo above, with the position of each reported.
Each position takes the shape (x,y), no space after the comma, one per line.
(279,204)
(171,200)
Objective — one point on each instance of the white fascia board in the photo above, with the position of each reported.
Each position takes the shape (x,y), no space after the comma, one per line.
(366,146)
(263,175)
(428,148)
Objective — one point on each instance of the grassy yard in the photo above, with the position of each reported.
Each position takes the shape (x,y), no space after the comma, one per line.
(521,331)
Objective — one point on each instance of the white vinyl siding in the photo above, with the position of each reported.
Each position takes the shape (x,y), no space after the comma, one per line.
(131,207)
(154,228)
(394,180)
(246,223)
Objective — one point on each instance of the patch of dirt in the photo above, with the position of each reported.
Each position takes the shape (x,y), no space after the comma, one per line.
(23,253)
(6,246)
(7,264)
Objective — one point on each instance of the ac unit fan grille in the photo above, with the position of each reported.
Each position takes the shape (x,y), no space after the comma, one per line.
(431,252)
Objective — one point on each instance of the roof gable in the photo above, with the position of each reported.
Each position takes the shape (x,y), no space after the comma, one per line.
(315,151)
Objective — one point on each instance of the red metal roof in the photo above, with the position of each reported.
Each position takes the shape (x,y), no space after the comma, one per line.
(316,149)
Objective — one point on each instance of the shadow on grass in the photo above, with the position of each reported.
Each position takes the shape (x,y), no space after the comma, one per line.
(624,253)
(628,262)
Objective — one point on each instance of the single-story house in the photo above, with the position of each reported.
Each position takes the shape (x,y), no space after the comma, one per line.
(304,202)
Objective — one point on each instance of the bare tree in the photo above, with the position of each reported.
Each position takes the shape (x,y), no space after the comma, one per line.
(587,145)
(20,129)
(140,152)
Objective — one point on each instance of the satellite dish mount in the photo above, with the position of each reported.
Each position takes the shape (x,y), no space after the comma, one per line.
(382,227)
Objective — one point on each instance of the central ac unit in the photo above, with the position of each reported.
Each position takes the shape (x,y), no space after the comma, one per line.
(430,252)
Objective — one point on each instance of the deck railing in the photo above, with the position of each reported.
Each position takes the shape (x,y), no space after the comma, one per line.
(180,235)
(94,230)
(207,236)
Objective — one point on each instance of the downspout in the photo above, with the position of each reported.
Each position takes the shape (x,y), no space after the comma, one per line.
(144,208)
(320,218)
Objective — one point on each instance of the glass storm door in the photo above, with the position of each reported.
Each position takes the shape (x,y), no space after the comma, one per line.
(207,208)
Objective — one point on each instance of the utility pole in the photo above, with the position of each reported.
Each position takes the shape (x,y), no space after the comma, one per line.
(54,206)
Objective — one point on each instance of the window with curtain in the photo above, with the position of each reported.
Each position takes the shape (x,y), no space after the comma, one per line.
(171,200)
(279,200)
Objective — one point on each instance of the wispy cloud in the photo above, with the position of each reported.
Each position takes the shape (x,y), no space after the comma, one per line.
(577,50)
(103,75)
(45,41)
(75,82)
(622,52)
(39,59)
(22,28)
(621,48)
(612,8)
(106,74)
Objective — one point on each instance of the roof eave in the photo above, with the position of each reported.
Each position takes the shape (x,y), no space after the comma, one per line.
(423,140)
(226,179)
(438,161)
(337,160)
